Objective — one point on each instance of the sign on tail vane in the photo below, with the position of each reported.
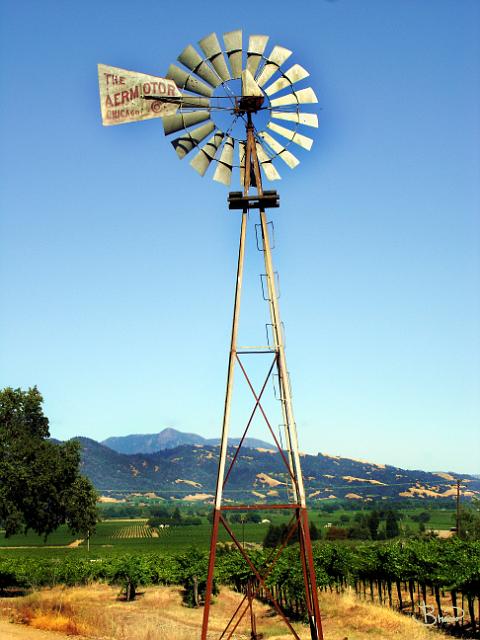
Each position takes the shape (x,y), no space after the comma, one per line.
(123,93)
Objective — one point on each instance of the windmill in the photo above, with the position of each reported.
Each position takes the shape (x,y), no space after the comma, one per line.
(205,85)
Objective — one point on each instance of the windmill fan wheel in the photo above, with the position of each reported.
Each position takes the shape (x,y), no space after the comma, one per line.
(266,85)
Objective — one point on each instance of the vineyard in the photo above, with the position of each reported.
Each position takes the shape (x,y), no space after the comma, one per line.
(138,531)
(402,574)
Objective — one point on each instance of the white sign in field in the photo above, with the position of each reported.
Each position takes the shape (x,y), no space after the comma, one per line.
(123,93)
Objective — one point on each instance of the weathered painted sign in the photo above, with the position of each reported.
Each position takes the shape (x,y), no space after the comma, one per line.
(123,93)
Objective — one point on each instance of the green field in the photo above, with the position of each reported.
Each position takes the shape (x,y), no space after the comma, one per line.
(114,537)
(118,537)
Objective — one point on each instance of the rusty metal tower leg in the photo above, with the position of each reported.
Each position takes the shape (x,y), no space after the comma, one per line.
(292,460)
(226,424)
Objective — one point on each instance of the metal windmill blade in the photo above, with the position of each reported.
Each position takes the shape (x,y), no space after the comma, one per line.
(191,139)
(283,153)
(290,77)
(273,62)
(308,119)
(187,81)
(189,101)
(223,172)
(214,54)
(172,124)
(233,47)
(304,96)
(256,47)
(266,164)
(193,61)
(207,153)
(297,138)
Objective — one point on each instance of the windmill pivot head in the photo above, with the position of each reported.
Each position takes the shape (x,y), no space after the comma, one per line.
(249,104)
(252,96)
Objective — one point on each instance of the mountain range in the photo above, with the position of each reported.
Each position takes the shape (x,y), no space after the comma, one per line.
(169,439)
(188,472)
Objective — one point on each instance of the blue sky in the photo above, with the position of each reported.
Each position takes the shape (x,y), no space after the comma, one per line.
(118,261)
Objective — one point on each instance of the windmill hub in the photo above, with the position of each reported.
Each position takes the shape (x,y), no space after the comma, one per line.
(249,104)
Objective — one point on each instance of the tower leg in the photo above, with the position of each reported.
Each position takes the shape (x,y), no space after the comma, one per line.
(210,575)
(226,425)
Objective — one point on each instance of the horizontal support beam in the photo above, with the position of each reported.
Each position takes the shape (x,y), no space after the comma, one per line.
(268,200)
(259,507)
(246,353)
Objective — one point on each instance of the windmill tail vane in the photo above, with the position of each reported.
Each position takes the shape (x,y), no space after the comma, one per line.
(260,102)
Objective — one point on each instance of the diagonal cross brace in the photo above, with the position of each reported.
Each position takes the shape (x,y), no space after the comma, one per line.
(259,404)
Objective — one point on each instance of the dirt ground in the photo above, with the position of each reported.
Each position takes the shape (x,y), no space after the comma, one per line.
(9,631)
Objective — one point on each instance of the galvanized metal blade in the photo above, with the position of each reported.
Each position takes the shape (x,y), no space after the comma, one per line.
(256,47)
(297,138)
(207,153)
(171,124)
(241,158)
(290,77)
(249,86)
(233,47)
(190,139)
(266,163)
(185,80)
(188,101)
(272,63)
(283,153)
(193,61)
(214,54)
(223,171)
(308,119)
(304,96)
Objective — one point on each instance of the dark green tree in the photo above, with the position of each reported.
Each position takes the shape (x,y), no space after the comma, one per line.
(272,537)
(373,521)
(391,525)
(81,507)
(469,521)
(314,532)
(40,484)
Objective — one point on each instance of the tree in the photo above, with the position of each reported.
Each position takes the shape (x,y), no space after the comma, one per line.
(129,573)
(391,525)
(314,532)
(373,521)
(273,537)
(469,521)
(192,574)
(40,484)
(81,512)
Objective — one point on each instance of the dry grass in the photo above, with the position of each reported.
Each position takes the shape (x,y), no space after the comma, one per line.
(344,616)
(95,612)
